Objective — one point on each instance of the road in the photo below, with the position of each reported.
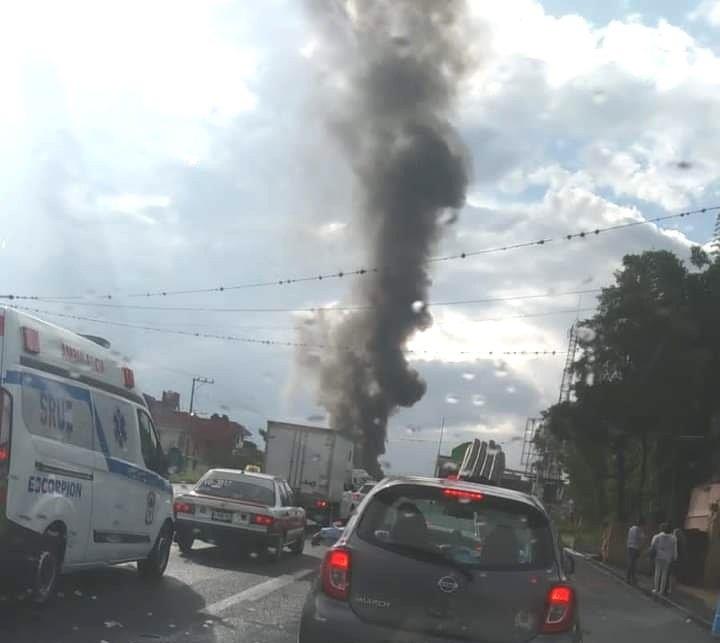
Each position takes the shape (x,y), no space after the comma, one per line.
(211,597)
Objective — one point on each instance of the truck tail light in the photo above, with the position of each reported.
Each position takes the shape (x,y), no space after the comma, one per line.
(262,520)
(335,573)
(560,610)
(183,508)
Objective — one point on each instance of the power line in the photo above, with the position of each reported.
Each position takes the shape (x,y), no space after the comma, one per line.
(547,313)
(270,342)
(340,274)
(314,309)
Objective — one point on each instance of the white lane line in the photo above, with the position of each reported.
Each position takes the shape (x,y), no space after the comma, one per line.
(256,591)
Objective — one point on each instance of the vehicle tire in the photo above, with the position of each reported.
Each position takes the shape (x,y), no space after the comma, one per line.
(185,542)
(154,566)
(274,551)
(298,546)
(47,570)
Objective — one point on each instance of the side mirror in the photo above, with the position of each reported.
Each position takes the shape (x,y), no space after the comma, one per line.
(568,562)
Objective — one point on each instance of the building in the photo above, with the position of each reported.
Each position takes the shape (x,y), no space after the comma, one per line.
(190,440)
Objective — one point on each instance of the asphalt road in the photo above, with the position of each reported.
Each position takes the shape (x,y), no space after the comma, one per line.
(211,597)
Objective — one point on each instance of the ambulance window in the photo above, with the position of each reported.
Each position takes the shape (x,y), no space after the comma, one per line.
(56,411)
(151,450)
(118,427)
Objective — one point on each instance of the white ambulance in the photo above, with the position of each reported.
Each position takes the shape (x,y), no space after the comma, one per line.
(83,479)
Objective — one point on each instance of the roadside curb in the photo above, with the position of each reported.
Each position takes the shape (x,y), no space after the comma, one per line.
(668,602)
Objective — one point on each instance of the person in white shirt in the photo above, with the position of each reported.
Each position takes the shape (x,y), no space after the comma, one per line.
(635,540)
(663,548)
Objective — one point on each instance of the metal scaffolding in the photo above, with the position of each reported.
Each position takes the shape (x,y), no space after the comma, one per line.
(568,378)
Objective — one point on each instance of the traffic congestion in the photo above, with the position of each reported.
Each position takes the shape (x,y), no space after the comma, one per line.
(443,558)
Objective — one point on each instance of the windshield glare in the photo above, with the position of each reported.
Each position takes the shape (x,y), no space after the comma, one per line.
(257,491)
(491,533)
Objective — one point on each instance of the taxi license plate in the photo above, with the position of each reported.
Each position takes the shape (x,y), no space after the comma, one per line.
(222,516)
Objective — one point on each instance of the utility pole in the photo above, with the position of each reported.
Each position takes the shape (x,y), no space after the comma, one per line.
(440,441)
(198,380)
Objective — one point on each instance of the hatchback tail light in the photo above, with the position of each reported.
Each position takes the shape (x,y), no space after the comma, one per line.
(335,573)
(559,614)
(263,521)
(183,508)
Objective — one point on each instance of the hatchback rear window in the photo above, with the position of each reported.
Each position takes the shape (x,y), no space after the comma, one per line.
(478,531)
(255,490)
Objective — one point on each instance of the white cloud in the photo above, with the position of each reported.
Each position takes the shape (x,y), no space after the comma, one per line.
(708,11)
(201,123)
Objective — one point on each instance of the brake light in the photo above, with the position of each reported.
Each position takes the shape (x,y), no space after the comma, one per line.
(263,521)
(183,508)
(321,504)
(335,573)
(560,609)
(31,340)
(461,494)
(4,453)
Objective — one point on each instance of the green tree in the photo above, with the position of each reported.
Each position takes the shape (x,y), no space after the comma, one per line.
(646,385)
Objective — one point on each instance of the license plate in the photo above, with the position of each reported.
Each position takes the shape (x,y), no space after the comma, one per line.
(222,516)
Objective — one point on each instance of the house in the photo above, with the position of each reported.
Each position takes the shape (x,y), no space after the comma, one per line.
(191,440)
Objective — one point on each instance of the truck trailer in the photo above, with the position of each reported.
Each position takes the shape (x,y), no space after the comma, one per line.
(316,461)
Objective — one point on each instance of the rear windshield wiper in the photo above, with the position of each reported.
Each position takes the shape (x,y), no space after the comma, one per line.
(427,556)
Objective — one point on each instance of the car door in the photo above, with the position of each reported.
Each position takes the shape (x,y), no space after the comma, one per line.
(154,491)
(59,484)
(295,514)
(114,536)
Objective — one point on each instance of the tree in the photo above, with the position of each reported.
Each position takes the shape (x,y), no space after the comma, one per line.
(647,379)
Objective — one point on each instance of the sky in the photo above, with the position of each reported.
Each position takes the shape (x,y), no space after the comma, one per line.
(165,146)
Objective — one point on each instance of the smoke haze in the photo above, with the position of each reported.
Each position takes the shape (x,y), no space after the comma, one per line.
(391,72)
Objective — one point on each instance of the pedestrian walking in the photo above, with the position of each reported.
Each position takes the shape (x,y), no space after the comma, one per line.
(680,543)
(663,549)
(635,540)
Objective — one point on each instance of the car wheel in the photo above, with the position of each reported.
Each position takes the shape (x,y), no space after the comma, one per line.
(274,551)
(47,570)
(154,566)
(185,542)
(298,546)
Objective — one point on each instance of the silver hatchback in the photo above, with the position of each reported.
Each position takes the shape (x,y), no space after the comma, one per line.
(426,561)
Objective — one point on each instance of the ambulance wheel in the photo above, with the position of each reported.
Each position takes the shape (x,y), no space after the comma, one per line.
(47,569)
(154,566)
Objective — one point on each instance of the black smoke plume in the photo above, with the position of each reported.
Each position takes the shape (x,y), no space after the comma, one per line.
(396,66)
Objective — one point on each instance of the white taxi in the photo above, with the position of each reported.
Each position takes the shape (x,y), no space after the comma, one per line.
(240,509)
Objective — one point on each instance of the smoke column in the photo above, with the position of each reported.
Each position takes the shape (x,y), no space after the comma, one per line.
(395,66)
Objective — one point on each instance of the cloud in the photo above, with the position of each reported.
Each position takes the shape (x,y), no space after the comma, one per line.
(707,11)
(195,158)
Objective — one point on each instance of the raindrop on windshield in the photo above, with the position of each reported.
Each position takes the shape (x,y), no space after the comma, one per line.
(450,398)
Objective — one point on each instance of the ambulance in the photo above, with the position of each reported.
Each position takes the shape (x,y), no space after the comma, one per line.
(83,479)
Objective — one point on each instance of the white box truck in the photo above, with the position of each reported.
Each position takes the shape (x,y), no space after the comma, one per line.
(316,461)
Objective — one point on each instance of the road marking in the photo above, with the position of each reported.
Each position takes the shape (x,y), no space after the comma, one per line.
(257,592)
